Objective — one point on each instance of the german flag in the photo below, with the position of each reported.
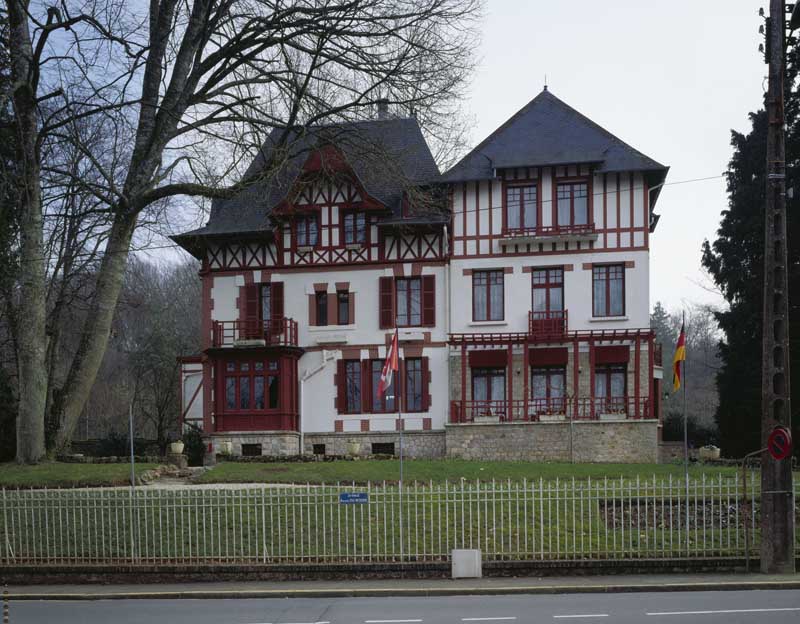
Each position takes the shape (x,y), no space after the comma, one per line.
(680,356)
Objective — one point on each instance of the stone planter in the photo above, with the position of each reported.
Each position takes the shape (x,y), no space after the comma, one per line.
(226,447)
(176,448)
(353,448)
(708,453)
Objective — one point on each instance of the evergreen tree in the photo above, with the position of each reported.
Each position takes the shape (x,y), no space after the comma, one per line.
(735,262)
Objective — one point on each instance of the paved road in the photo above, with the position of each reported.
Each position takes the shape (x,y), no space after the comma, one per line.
(731,607)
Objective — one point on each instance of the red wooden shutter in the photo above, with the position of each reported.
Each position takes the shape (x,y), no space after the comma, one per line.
(426,385)
(386,303)
(277,307)
(248,311)
(429,300)
(341,387)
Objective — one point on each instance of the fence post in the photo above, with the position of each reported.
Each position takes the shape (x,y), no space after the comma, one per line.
(6,619)
(6,538)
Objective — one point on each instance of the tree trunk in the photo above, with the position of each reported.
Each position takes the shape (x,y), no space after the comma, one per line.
(32,337)
(96,328)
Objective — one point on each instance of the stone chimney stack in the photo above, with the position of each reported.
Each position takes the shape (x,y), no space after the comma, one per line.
(383,108)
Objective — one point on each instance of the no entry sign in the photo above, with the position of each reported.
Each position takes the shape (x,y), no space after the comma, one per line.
(779,443)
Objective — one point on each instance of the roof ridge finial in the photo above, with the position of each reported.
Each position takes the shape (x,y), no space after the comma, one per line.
(545,82)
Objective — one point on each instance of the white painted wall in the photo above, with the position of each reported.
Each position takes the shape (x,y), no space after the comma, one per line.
(577,292)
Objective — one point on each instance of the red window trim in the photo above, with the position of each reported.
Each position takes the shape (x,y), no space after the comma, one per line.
(612,368)
(587,180)
(397,280)
(488,318)
(349,295)
(423,385)
(484,371)
(250,374)
(547,286)
(559,369)
(307,215)
(354,211)
(521,183)
(368,389)
(344,407)
(607,314)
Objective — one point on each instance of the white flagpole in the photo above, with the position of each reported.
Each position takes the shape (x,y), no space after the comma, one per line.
(397,382)
(685,429)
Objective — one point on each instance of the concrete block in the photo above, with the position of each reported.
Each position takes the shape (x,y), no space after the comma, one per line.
(467,563)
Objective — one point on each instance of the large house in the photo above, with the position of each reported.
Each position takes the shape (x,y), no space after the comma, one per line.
(518,282)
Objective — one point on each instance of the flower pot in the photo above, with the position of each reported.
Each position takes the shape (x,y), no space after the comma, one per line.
(176,448)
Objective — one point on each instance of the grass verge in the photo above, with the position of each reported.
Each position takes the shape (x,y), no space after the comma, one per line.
(441,470)
(57,474)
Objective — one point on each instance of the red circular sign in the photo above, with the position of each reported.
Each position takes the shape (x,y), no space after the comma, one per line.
(779,443)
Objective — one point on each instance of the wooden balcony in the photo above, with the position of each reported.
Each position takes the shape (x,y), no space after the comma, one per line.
(274,333)
(548,410)
(548,325)
(550,233)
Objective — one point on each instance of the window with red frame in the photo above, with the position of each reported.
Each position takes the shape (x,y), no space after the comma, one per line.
(307,230)
(521,207)
(251,385)
(608,290)
(548,290)
(352,389)
(548,386)
(573,204)
(610,387)
(409,301)
(343,307)
(488,295)
(414,385)
(355,228)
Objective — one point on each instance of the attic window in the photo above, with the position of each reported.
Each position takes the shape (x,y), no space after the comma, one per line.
(307,230)
(355,228)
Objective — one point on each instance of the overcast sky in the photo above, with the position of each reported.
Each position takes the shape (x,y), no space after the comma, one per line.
(671,78)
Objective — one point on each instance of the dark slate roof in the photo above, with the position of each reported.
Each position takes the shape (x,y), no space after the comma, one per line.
(546,131)
(388,156)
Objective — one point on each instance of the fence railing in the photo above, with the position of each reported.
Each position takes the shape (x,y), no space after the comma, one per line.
(625,519)
(554,408)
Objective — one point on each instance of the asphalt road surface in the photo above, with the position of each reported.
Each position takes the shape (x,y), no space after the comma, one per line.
(731,607)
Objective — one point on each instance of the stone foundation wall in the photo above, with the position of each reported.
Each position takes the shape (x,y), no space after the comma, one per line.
(416,444)
(274,443)
(629,441)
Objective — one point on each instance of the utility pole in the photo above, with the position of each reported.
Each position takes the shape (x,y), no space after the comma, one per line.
(777,499)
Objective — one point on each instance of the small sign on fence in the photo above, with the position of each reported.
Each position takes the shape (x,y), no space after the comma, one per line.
(353,498)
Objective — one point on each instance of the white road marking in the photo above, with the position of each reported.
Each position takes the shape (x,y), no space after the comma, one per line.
(723,611)
(489,619)
(389,621)
(582,615)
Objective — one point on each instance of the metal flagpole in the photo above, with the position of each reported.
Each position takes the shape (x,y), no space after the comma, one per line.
(402,426)
(685,431)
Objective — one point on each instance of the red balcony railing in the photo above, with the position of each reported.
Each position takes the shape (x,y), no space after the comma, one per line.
(533,410)
(551,230)
(548,325)
(274,333)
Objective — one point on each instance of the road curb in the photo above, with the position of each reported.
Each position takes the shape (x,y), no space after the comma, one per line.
(410,592)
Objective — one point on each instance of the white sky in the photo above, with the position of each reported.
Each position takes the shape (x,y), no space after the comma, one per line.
(669,77)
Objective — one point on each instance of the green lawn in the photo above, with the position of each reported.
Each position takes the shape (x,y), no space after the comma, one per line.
(438,471)
(56,474)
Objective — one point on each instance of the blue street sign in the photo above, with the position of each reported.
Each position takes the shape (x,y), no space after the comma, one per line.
(353,498)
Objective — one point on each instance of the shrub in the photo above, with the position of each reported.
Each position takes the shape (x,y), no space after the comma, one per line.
(194,448)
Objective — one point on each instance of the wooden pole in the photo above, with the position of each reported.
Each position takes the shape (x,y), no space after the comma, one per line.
(777,498)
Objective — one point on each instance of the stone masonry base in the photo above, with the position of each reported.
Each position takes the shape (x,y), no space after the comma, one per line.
(610,441)
(624,441)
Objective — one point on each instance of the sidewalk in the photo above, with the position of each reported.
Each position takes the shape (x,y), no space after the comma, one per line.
(411,587)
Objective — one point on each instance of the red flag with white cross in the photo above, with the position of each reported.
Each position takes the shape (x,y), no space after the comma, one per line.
(389,367)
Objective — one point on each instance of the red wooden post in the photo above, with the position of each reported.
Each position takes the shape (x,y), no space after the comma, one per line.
(591,377)
(651,383)
(526,372)
(463,380)
(637,374)
(576,371)
(510,400)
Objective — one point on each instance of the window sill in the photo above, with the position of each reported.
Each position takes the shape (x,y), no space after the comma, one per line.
(487,323)
(355,246)
(305,248)
(331,328)
(608,319)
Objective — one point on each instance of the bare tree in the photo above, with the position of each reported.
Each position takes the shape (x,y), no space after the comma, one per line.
(183,96)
